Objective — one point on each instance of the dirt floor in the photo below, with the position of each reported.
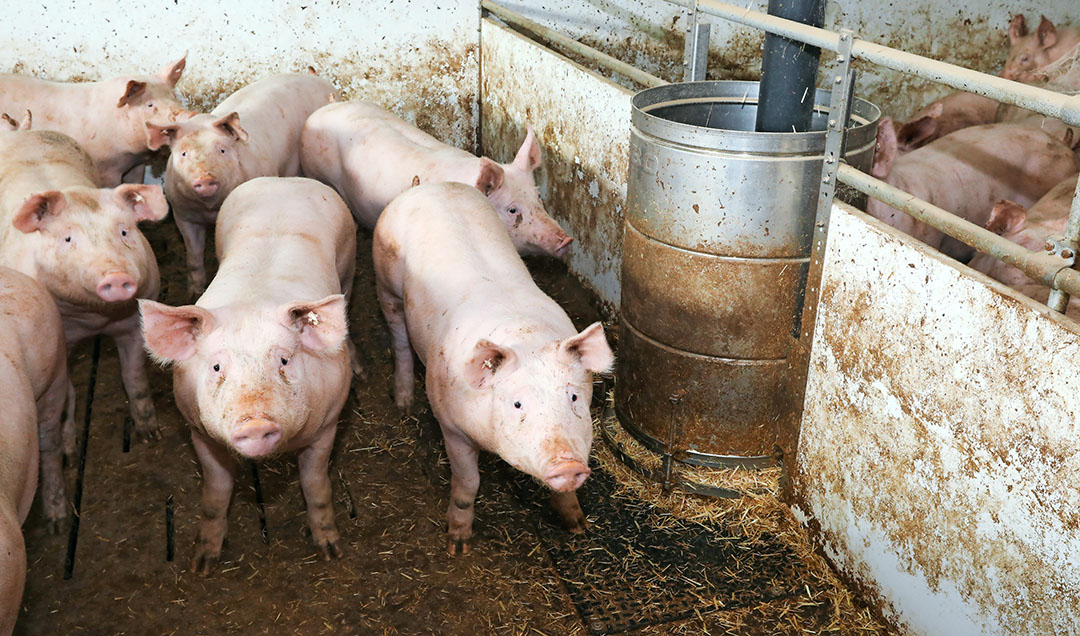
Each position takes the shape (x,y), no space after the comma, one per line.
(391,487)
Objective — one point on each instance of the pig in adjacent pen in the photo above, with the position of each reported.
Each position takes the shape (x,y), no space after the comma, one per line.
(255,132)
(260,365)
(341,140)
(506,371)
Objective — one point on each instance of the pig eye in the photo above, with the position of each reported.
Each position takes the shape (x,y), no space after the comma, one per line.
(517,405)
(222,151)
(284,361)
(573,397)
(123,232)
(183,154)
(512,211)
(150,105)
(217,367)
(67,240)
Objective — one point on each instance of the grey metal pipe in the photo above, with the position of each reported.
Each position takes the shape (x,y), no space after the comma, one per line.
(789,71)
(1064,107)
(1044,268)
(554,37)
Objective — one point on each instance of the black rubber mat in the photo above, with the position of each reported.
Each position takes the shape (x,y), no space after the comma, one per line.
(637,565)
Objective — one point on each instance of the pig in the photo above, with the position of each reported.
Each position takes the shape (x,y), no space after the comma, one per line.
(33,372)
(255,132)
(340,141)
(506,370)
(83,244)
(1031,51)
(107,118)
(259,362)
(948,114)
(966,172)
(1029,228)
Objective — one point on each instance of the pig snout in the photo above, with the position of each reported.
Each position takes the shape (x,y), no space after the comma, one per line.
(205,186)
(256,437)
(563,245)
(117,287)
(567,476)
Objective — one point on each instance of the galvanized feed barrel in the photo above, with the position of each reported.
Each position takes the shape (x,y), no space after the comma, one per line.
(715,252)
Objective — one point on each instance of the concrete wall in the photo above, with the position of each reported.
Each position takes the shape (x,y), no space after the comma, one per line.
(939,455)
(583,124)
(649,34)
(417,57)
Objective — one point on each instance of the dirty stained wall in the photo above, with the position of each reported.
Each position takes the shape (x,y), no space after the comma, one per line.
(939,455)
(582,122)
(650,35)
(416,57)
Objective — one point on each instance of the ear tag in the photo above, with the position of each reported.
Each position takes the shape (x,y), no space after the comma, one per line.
(138,198)
(312,318)
(488,364)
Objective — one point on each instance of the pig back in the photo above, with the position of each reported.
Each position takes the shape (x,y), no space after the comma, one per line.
(281,238)
(31,332)
(273,111)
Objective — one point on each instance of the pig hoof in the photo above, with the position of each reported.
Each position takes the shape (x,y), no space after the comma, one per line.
(331,550)
(455,547)
(55,526)
(578,525)
(204,563)
(148,432)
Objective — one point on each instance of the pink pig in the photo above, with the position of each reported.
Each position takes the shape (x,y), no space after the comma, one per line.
(1031,51)
(260,363)
(948,114)
(370,156)
(506,370)
(107,119)
(966,172)
(1029,228)
(33,372)
(84,245)
(255,132)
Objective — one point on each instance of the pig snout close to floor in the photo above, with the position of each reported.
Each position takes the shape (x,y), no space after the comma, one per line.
(506,371)
(339,140)
(262,362)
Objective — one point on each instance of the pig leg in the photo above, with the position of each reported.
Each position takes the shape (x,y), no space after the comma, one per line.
(219,469)
(566,504)
(50,413)
(315,484)
(194,235)
(347,288)
(464,482)
(67,431)
(12,566)
(394,310)
(129,344)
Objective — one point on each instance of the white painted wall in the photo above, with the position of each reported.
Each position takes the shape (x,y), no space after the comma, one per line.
(940,446)
(417,57)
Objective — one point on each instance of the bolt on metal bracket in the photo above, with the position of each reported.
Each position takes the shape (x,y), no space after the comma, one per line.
(1060,247)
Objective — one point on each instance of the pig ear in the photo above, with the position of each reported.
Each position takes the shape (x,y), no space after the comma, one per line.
(322,323)
(131,91)
(915,132)
(590,349)
(27,120)
(158,136)
(170,73)
(885,151)
(1017,28)
(491,176)
(528,155)
(172,333)
(146,202)
(487,360)
(230,125)
(1047,33)
(1007,218)
(35,211)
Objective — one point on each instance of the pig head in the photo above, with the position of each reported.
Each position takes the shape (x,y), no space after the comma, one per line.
(249,378)
(86,244)
(1031,51)
(204,164)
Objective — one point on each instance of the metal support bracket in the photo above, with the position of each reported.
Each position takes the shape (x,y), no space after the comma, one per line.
(1069,244)
(842,84)
(696,51)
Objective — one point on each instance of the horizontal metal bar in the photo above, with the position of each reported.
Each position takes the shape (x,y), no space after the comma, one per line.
(554,37)
(1064,107)
(1044,268)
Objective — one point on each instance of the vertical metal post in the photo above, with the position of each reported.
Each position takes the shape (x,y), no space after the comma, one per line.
(842,83)
(696,51)
(1058,299)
